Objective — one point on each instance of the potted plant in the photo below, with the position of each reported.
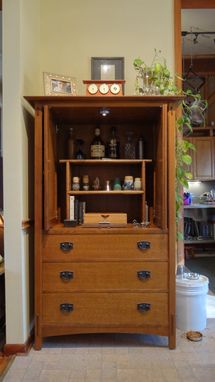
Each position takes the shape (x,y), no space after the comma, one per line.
(157,80)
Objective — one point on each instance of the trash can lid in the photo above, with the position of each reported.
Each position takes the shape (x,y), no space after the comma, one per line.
(191,280)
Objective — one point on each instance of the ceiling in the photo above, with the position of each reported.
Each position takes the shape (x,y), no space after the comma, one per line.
(198,20)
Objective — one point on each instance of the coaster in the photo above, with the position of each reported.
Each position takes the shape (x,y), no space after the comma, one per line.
(194,336)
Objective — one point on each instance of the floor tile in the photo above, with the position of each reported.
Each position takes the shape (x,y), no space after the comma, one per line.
(118,357)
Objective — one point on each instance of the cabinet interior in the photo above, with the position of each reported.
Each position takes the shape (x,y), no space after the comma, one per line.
(146,122)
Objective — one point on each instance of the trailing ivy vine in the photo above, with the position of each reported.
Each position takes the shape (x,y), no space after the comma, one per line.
(157,80)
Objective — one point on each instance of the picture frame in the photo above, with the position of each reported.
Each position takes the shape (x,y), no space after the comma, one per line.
(59,85)
(107,68)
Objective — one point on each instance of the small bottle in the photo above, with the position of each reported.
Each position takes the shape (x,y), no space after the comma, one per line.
(137,184)
(79,153)
(85,183)
(97,147)
(140,148)
(117,184)
(113,145)
(71,144)
(147,212)
(128,182)
(107,186)
(75,183)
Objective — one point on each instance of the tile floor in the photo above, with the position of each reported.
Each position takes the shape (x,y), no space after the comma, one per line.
(116,358)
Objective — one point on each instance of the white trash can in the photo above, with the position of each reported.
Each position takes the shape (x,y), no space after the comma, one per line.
(191,302)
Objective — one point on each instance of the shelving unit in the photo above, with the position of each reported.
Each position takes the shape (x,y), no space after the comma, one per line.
(199,205)
(203,241)
(105,279)
(107,169)
(202,169)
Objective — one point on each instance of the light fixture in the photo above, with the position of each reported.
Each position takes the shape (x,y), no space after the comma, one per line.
(104,112)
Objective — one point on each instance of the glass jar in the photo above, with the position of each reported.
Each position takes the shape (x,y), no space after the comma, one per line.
(85,183)
(75,183)
(137,184)
(128,183)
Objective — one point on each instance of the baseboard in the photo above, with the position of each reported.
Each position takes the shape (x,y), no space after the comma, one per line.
(5,363)
(11,349)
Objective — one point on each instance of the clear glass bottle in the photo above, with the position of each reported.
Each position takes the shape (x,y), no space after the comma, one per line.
(129,150)
(79,153)
(113,145)
(97,147)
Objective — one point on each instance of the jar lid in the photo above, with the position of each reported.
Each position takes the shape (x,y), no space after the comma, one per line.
(75,179)
(128,177)
(85,178)
(137,179)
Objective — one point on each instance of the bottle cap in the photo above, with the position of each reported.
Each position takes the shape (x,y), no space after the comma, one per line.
(129,178)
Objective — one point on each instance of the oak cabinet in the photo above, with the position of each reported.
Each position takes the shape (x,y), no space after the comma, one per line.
(92,278)
(203,166)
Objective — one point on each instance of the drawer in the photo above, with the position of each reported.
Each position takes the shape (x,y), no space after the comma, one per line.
(100,276)
(90,247)
(106,309)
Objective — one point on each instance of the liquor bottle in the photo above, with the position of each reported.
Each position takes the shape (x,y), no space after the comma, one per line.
(97,147)
(113,145)
(71,144)
(140,148)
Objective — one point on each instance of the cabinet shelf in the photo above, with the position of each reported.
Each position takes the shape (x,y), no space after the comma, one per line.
(203,131)
(199,241)
(102,162)
(199,205)
(112,200)
(104,192)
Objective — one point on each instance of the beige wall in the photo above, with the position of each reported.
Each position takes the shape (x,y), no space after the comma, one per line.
(20,75)
(59,37)
(73,31)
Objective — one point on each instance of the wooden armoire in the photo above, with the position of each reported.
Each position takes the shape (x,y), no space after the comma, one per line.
(102,278)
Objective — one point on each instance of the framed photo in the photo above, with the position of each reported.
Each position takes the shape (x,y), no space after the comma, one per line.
(59,85)
(107,68)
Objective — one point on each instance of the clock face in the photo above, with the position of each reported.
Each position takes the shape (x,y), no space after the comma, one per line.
(103,88)
(92,88)
(115,88)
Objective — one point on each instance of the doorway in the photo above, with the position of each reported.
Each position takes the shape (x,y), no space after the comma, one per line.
(186,20)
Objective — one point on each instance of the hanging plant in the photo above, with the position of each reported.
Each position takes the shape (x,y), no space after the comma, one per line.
(154,79)
(157,80)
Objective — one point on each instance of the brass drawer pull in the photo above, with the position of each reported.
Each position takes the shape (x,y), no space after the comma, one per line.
(66,246)
(143,307)
(66,275)
(66,307)
(142,275)
(143,244)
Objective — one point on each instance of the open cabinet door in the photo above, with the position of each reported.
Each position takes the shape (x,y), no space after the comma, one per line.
(161,169)
(50,171)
